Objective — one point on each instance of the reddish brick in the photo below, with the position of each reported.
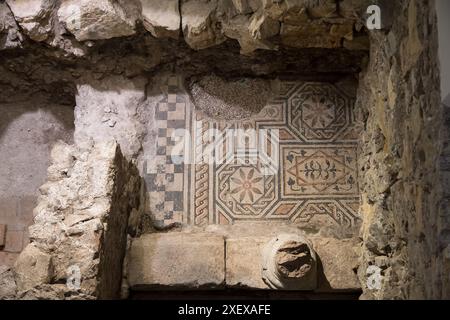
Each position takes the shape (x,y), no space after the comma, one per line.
(8,211)
(26,206)
(16,227)
(7,258)
(14,241)
(2,235)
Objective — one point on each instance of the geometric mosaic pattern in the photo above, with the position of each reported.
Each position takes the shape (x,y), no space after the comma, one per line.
(318,112)
(316,149)
(165,179)
(319,171)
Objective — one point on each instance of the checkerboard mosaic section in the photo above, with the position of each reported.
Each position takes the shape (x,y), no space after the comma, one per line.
(165,174)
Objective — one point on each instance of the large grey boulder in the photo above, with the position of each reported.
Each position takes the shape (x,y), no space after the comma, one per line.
(201,27)
(8,288)
(102,19)
(261,24)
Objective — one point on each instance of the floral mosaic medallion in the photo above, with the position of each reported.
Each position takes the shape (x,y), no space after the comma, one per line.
(244,192)
(314,179)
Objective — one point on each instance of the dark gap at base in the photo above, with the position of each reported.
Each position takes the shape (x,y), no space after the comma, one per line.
(240,295)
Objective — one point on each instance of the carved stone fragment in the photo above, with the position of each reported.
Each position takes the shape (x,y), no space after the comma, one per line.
(289,263)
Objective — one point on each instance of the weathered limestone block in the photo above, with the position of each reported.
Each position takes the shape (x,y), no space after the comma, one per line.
(255,24)
(274,9)
(8,288)
(243,6)
(200,25)
(62,159)
(177,260)
(339,260)
(34,16)
(45,292)
(33,267)
(10,37)
(243,262)
(263,27)
(289,263)
(95,20)
(324,9)
(161,18)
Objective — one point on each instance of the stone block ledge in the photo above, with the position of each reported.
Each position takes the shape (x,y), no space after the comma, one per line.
(207,261)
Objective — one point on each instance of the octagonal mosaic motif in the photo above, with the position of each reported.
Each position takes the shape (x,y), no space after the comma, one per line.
(318,112)
(244,192)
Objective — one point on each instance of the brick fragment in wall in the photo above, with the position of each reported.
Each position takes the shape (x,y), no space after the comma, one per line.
(2,236)
(17,211)
(90,224)
(26,205)
(8,210)
(8,258)
(8,288)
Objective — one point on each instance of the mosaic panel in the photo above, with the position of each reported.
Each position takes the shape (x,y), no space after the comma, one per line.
(319,171)
(315,149)
(166,178)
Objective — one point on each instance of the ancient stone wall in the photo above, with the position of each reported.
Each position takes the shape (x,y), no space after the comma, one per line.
(404,231)
(79,236)
(255,24)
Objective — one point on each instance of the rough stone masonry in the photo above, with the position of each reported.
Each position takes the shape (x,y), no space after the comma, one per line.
(80,226)
(405,223)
